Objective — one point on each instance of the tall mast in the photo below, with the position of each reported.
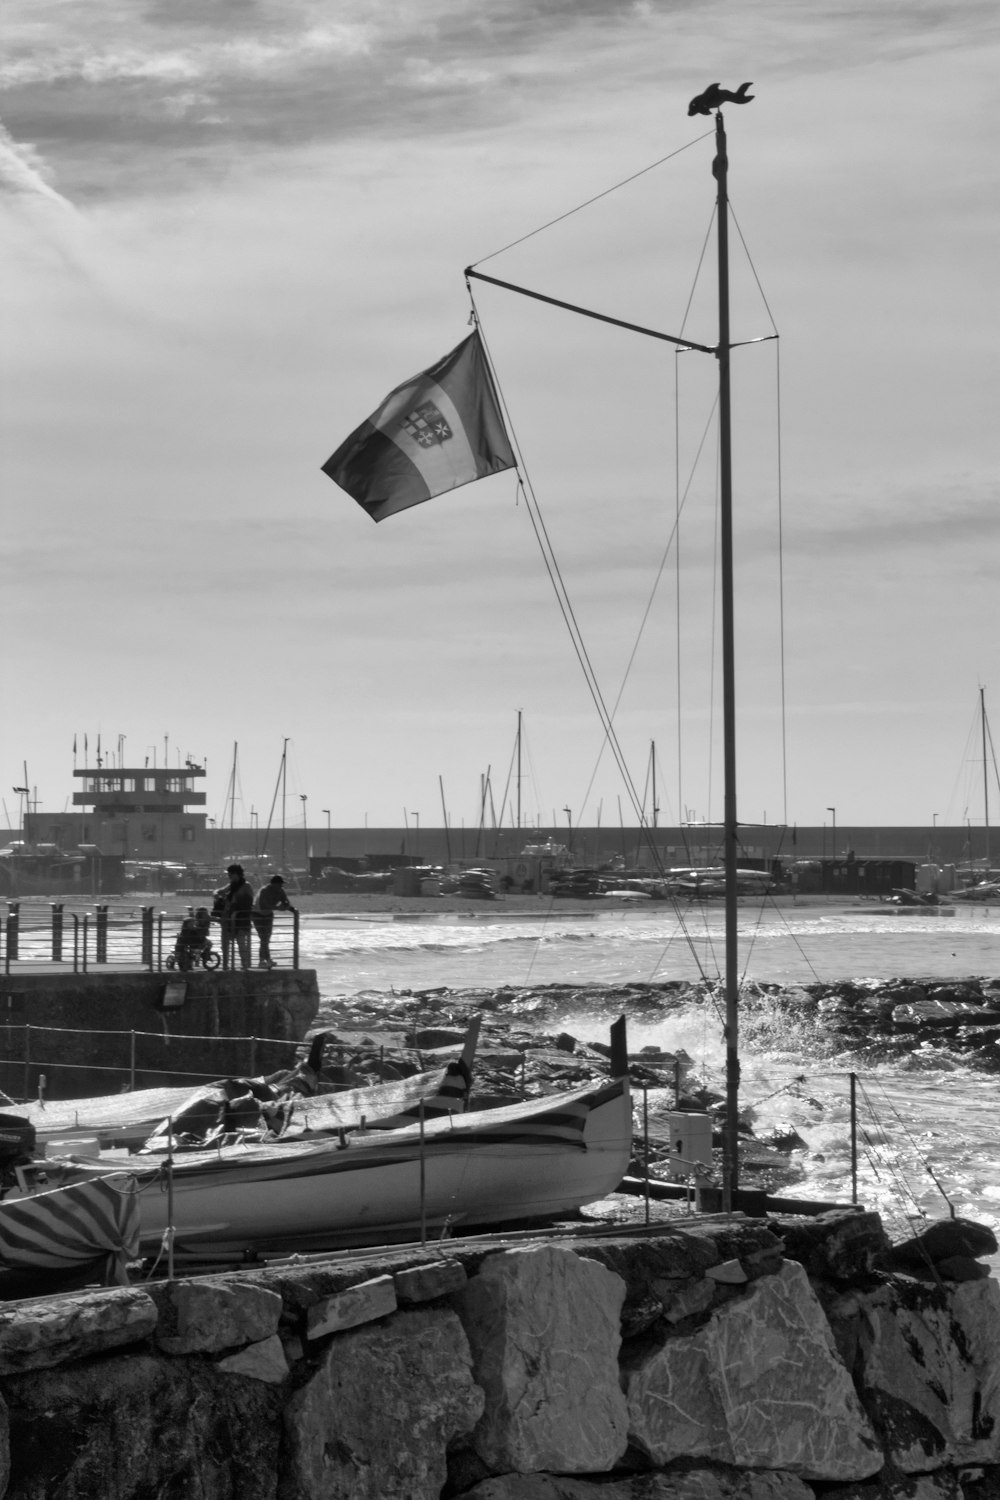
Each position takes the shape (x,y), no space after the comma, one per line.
(519,770)
(730,1140)
(986,780)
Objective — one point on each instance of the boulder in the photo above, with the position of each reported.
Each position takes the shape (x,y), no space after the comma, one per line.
(939,1242)
(425,1283)
(263,1361)
(759,1386)
(138,1425)
(49,1331)
(544,1329)
(842,1245)
(203,1317)
(375,1419)
(362,1303)
(926,1366)
(691,1484)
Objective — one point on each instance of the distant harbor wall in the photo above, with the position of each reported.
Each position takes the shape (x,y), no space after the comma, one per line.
(99,1033)
(709,1360)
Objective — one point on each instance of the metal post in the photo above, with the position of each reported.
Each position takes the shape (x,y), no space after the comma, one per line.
(645,1140)
(147,937)
(76,943)
(27,1060)
(131,1065)
(13,927)
(101,936)
(83,957)
(57,932)
(295,939)
(854,1138)
(423,1181)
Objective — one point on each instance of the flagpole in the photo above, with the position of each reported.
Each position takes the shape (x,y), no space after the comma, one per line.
(730,1138)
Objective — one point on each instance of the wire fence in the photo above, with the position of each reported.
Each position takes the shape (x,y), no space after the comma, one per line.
(78,943)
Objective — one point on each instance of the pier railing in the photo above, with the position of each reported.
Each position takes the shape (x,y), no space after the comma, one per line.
(145,1053)
(55,940)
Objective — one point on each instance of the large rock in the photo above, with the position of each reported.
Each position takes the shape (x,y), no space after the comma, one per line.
(760,1386)
(926,1364)
(202,1317)
(692,1484)
(375,1420)
(940,1242)
(136,1426)
(49,1331)
(842,1245)
(544,1328)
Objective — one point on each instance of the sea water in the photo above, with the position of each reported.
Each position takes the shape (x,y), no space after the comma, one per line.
(928,1122)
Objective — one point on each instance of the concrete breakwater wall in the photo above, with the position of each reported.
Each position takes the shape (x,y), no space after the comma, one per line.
(92,1034)
(738,1359)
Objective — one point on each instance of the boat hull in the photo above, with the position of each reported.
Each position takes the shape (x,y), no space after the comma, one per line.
(523,1162)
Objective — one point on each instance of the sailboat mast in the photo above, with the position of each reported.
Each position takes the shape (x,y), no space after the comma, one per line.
(986,779)
(519,769)
(730,1140)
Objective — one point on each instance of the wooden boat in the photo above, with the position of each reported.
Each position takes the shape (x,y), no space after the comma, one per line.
(527,1161)
(129,1120)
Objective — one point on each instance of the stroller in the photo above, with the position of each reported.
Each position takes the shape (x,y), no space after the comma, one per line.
(193,948)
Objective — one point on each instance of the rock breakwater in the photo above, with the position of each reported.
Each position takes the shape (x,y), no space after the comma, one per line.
(711,1360)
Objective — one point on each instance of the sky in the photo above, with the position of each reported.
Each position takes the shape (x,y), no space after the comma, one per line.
(229,229)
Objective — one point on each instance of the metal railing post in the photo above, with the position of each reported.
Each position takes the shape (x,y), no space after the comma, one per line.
(101,937)
(131,1066)
(147,937)
(159,940)
(295,939)
(57,932)
(86,924)
(76,943)
(27,1060)
(13,924)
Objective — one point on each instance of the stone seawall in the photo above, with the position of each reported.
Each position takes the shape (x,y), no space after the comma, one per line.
(708,1359)
(91,1034)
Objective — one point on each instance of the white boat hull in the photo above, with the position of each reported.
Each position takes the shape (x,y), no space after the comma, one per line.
(527,1161)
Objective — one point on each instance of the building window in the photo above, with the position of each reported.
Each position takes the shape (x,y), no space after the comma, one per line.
(187,835)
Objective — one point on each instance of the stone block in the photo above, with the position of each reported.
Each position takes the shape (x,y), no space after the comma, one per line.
(842,1245)
(759,1386)
(363,1303)
(926,1366)
(264,1361)
(438,1278)
(205,1317)
(375,1420)
(691,1484)
(141,1424)
(50,1331)
(730,1273)
(544,1328)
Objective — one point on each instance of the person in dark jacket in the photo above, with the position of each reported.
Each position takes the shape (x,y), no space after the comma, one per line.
(233,909)
(270,898)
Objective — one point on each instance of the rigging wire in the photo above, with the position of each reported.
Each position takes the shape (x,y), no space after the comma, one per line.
(558,582)
(595,199)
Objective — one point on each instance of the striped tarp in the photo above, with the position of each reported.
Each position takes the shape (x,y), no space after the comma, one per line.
(70,1225)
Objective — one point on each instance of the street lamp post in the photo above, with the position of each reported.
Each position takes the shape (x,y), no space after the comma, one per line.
(569,823)
(327,811)
(833,813)
(416,819)
(305,829)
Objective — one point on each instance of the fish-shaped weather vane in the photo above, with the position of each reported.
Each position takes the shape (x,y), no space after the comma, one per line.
(714,97)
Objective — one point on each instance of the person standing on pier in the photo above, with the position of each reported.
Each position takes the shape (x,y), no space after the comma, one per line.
(270,898)
(234,909)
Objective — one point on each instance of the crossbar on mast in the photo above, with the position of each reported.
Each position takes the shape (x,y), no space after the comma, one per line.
(587,312)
